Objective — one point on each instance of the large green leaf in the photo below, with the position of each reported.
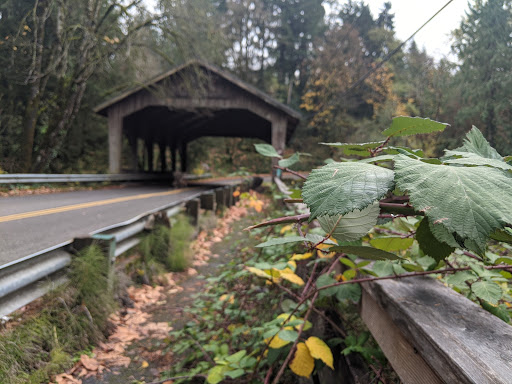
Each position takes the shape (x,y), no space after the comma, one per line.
(429,244)
(476,143)
(348,292)
(365,252)
(340,188)
(310,237)
(359,149)
(353,225)
(406,126)
(392,243)
(487,290)
(266,150)
(468,158)
(285,163)
(504,235)
(470,203)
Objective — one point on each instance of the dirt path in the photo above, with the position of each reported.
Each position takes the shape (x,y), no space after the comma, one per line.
(134,353)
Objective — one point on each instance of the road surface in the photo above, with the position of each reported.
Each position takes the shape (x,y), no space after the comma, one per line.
(29,224)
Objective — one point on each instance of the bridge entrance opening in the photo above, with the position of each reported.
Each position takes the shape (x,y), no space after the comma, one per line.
(189,102)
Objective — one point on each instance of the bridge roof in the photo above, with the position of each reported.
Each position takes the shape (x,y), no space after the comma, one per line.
(103,108)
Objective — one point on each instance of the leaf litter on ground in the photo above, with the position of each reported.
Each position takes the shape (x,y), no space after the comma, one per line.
(132,325)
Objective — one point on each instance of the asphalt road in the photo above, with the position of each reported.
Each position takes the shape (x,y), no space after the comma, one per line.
(29,224)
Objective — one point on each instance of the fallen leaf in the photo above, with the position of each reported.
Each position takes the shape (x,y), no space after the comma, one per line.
(89,363)
(64,378)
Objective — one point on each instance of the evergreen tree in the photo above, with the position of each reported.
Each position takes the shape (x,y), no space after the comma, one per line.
(483,45)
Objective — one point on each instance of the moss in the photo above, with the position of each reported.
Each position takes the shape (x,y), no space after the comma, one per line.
(73,317)
(165,249)
(181,236)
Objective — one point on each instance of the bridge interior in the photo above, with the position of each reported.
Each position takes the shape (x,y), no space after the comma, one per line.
(189,102)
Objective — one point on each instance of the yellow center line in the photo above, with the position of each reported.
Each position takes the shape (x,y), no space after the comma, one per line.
(66,208)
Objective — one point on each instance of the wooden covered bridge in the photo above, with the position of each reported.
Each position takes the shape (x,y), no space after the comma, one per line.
(186,103)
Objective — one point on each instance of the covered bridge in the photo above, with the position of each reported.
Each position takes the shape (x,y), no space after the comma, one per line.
(188,102)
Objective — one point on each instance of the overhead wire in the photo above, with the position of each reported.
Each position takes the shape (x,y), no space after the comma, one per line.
(390,54)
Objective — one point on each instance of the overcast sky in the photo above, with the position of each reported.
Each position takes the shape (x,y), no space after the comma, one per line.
(410,14)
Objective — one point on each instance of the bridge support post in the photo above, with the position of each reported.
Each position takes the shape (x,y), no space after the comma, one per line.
(183,157)
(115,132)
(173,157)
(150,151)
(162,147)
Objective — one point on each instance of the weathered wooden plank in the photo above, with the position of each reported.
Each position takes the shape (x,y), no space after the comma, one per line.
(404,359)
(460,341)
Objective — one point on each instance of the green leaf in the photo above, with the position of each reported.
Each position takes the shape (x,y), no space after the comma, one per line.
(459,278)
(365,252)
(286,163)
(391,243)
(470,159)
(312,238)
(358,149)
(236,357)
(504,235)
(288,335)
(470,203)
(429,244)
(236,373)
(487,290)
(397,150)
(383,268)
(475,143)
(353,225)
(377,159)
(348,292)
(324,280)
(266,150)
(216,374)
(406,126)
(498,311)
(340,188)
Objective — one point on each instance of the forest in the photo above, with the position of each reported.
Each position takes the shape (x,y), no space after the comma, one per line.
(60,58)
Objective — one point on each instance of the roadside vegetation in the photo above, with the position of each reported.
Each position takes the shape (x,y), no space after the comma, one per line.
(44,341)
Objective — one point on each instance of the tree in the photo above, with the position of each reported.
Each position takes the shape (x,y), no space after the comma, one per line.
(482,44)
(54,47)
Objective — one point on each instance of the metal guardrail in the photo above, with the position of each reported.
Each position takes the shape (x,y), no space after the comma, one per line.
(31,277)
(28,178)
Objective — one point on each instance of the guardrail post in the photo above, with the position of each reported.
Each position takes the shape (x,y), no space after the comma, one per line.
(219,198)
(228,195)
(208,201)
(108,243)
(193,206)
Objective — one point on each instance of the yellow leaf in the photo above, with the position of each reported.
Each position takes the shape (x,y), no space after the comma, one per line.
(286,228)
(292,277)
(276,342)
(319,350)
(302,256)
(286,317)
(325,255)
(292,264)
(302,363)
(258,272)
(144,364)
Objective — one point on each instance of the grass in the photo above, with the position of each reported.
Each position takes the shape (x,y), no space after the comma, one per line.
(71,319)
(166,249)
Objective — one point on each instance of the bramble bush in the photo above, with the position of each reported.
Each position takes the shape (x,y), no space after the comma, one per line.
(391,213)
